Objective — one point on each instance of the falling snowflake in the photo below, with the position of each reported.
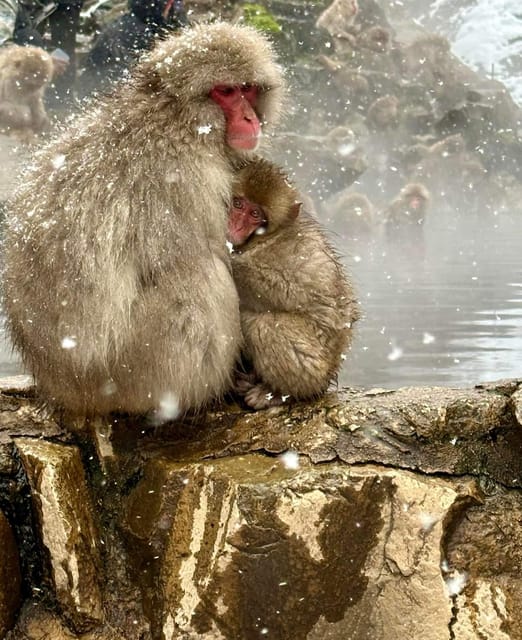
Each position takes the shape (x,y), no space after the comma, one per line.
(427,521)
(395,354)
(58,161)
(109,388)
(168,407)
(69,342)
(456,583)
(290,460)
(346,149)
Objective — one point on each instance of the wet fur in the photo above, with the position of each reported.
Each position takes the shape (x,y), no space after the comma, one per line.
(117,238)
(297,305)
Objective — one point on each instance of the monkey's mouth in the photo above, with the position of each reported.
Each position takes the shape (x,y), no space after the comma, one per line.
(33,83)
(248,141)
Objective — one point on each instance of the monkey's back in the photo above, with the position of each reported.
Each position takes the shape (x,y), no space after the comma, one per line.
(295,270)
(116,292)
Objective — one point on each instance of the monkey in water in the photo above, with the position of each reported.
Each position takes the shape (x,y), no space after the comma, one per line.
(25,73)
(404,218)
(117,283)
(297,305)
(376,39)
(383,113)
(338,18)
(353,215)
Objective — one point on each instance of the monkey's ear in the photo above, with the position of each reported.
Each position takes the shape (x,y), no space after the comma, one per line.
(295,209)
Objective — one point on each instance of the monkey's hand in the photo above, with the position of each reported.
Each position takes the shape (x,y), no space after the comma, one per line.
(243,382)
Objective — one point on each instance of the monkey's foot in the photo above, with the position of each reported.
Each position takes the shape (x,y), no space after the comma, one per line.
(260,396)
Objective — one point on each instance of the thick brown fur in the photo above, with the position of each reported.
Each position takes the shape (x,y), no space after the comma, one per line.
(428,60)
(432,40)
(118,289)
(449,146)
(297,305)
(377,39)
(354,215)
(340,137)
(383,113)
(413,155)
(24,74)
(338,17)
(345,79)
(401,216)
(351,83)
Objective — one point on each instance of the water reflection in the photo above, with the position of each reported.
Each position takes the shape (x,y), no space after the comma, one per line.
(450,315)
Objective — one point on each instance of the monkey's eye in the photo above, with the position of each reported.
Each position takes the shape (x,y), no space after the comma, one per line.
(257,214)
(250,92)
(224,90)
(237,203)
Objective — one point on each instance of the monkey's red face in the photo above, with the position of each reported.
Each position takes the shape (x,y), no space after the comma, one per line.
(415,202)
(238,104)
(244,219)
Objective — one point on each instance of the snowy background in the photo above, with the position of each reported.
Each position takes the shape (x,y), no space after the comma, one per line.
(486,34)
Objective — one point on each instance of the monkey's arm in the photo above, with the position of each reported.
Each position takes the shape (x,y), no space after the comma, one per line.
(39,119)
(291,355)
(14,115)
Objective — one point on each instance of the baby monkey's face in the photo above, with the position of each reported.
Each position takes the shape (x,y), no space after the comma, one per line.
(245,218)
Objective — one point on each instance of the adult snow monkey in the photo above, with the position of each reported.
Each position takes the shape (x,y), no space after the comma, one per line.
(117,286)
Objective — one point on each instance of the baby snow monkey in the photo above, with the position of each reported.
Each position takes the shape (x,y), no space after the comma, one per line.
(297,306)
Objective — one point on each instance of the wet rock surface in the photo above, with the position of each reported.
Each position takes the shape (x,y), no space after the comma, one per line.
(10,578)
(369,514)
(63,508)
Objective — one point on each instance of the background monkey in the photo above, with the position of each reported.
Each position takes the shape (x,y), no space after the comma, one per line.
(297,306)
(338,17)
(354,214)
(376,38)
(117,283)
(406,214)
(383,113)
(25,73)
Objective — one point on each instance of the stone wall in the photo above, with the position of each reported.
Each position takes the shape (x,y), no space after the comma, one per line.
(370,514)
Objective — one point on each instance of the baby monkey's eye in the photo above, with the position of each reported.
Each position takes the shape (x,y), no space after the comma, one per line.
(256,214)
(237,203)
